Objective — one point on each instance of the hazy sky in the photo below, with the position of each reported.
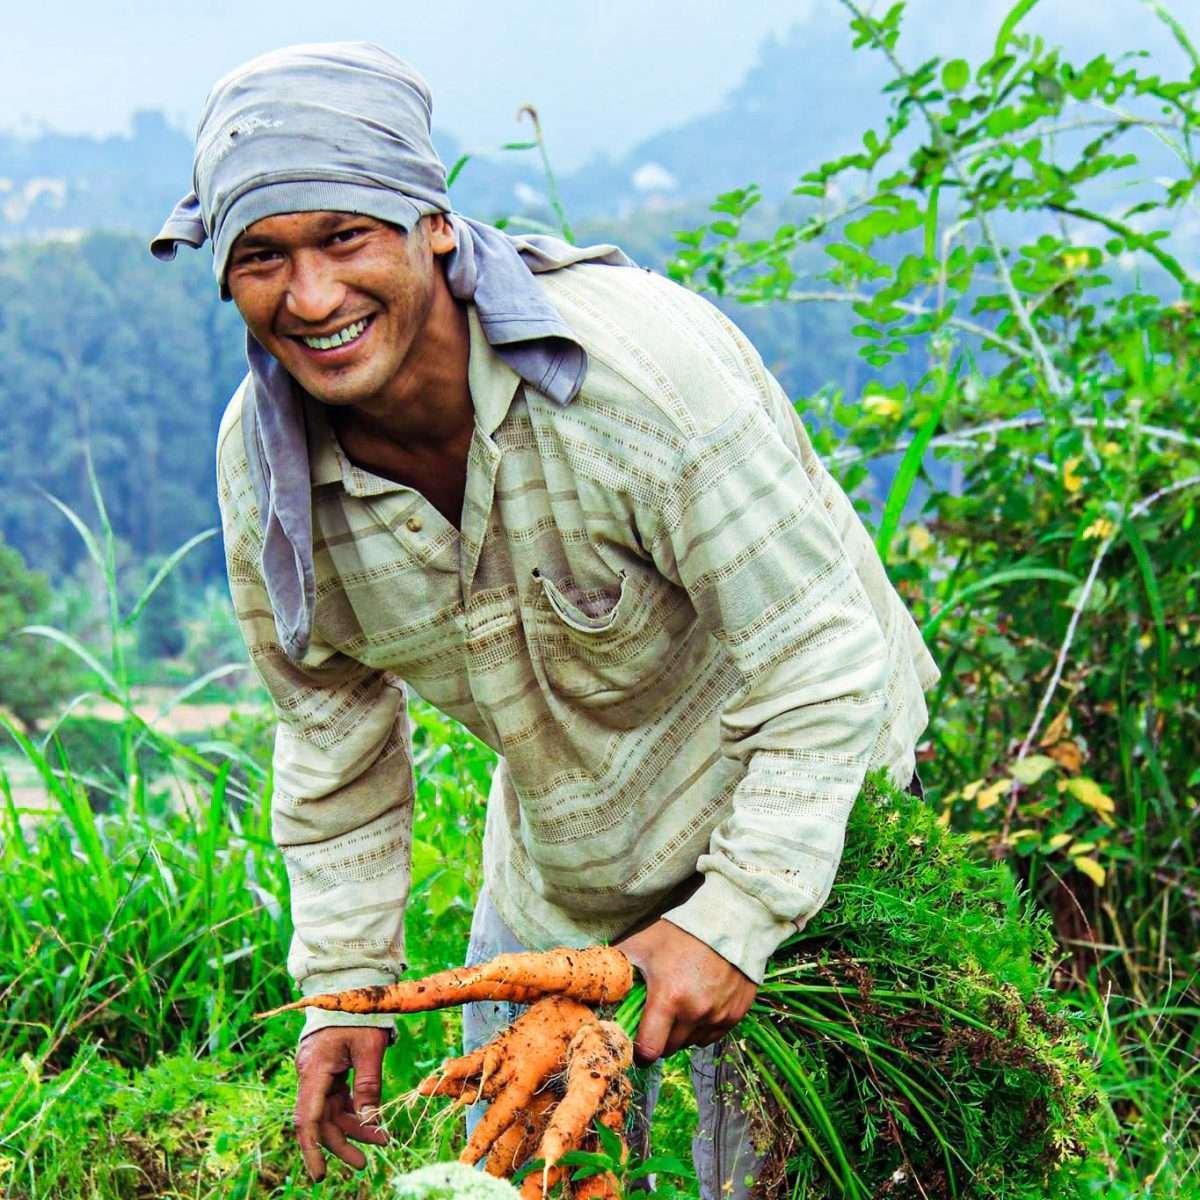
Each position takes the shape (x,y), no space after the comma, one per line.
(604,73)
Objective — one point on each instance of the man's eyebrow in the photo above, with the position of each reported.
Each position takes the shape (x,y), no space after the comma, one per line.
(326,224)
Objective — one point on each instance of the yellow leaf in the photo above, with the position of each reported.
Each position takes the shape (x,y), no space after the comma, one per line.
(972,789)
(1101,527)
(1067,754)
(1030,770)
(989,796)
(1087,791)
(1059,840)
(1091,868)
(944,819)
(1071,481)
(1108,449)
(1056,728)
(1075,260)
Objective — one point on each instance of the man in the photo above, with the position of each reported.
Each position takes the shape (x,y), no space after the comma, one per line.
(561,498)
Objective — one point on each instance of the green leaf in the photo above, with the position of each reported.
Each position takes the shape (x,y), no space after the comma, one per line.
(956,74)
(662,1164)
(460,162)
(1016,15)
(1030,770)
(610,1141)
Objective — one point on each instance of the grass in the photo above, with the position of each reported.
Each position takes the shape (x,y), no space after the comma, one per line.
(145,918)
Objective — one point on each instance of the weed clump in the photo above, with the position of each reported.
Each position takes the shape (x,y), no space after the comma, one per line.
(907,1042)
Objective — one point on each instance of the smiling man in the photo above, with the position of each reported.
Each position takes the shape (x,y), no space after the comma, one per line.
(562,499)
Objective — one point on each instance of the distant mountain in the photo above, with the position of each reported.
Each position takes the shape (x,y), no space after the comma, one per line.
(767,130)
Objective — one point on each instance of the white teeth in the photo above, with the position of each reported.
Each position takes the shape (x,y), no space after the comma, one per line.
(336,339)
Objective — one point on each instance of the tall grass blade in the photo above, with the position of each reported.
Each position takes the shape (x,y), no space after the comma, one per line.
(89,538)
(910,466)
(1153,592)
(995,580)
(1173,23)
(169,564)
(81,652)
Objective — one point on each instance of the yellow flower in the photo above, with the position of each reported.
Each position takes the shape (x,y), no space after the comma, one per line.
(1108,449)
(882,406)
(1101,527)
(1076,260)
(1071,481)
(919,540)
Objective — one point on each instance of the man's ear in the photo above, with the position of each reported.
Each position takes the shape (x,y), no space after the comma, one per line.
(440,233)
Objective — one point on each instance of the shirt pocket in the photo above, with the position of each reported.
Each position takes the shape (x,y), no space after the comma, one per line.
(611,651)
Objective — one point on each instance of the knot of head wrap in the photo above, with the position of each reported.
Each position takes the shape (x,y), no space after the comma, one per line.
(346,127)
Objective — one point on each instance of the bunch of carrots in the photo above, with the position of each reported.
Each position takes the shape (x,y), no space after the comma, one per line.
(547,1078)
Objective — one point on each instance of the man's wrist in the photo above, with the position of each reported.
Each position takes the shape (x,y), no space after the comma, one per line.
(739,927)
(340,981)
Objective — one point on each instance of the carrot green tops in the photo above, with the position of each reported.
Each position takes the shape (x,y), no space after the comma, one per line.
(661,612)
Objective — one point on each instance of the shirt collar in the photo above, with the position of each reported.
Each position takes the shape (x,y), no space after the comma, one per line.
(492,382)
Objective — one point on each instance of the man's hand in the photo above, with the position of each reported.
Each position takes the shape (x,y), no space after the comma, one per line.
(693,995)
(326,1111)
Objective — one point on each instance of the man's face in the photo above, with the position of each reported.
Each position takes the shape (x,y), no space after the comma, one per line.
(339,299)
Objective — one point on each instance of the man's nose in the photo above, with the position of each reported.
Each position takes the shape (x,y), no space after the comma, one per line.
(313,291)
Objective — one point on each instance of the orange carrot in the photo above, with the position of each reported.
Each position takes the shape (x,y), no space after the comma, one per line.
(515,1145)
(455,1075)
(595,975)
(539,1184)
(599,1052)
(598,1187)
(527,1054)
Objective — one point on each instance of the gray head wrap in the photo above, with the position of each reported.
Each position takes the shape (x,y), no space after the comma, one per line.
(345,127)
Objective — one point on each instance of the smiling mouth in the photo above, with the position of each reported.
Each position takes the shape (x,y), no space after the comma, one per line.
(337,340)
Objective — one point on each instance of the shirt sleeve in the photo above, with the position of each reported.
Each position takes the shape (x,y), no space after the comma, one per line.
(744,530)
(342,801)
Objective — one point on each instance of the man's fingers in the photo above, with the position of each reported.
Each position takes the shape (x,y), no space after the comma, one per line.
(368,1079)
(335,1140)
(654,1033)
(360,1129)
(311,1102)
(308,1134)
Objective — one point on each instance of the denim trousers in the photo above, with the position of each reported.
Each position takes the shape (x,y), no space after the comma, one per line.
(725,1160)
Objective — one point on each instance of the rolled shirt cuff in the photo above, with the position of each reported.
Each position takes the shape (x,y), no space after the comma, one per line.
(740,928)
(339,981)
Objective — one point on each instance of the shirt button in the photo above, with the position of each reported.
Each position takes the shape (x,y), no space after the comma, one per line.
(414,524)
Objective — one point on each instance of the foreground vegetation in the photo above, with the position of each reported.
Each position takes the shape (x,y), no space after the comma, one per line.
(1030,336)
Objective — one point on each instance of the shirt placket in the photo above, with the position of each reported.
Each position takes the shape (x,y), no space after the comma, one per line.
(481,610)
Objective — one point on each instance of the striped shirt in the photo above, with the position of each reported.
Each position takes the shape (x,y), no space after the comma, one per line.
(661,612)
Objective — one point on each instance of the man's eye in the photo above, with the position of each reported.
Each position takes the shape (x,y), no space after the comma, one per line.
(257,256)
(347,235)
